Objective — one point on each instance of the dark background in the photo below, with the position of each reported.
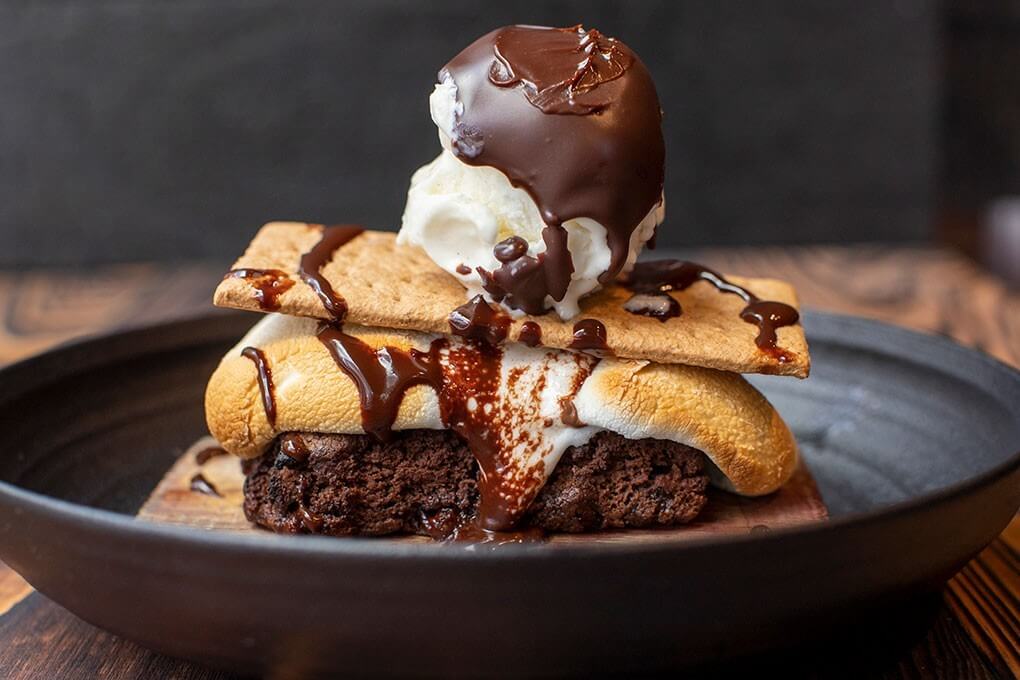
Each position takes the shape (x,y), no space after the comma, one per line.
(133,130)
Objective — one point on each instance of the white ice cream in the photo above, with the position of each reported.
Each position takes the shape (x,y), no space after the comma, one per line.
(458,212)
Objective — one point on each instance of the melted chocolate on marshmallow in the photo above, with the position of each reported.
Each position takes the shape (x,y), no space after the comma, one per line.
(264,377)
(466,380)
(572,117)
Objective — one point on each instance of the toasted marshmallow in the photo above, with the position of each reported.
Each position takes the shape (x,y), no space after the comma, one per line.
(717,412)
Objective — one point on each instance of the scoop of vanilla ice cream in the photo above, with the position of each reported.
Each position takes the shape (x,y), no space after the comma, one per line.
(457,213)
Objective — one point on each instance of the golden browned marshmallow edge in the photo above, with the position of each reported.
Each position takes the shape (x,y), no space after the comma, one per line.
(718,413)
(391,286)
(311,393)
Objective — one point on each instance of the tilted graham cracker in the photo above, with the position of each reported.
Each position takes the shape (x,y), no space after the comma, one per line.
(393,286)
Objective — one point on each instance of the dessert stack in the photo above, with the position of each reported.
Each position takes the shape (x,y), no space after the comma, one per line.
(504,367)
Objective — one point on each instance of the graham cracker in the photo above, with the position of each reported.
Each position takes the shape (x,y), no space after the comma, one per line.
(391,286)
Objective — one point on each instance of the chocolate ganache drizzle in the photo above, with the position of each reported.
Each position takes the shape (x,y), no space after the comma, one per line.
(208,453)
(478,320)
(315,259)
(530,334)
(268,284)
(473,399)
(658,277)
(589,334)
(572,117)
(200,484)
(381,375)
(265,381)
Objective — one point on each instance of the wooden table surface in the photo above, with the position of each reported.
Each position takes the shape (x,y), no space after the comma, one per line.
(971,629)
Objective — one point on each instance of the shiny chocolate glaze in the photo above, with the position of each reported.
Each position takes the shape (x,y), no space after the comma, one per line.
(478,320)
(268,285)
(589,334)
(293,447)
(265,380)
(381,375)
(531,334)
(200,484)
(466,377)
(315,259)
(572,117)
(661,306)
(525,282)
(510,249)
(658,277)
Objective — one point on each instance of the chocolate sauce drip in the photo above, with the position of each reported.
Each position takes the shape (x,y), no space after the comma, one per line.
(315,259)
(443,524)
(312,521)
(769,316)
(451,527)
(525,281)
(478,320)
(661,276)
(473,533)
(571,117)
(381,375)
(269,285)
(589,334)
(265,379)
(294,448)
(467,378)
(510,249)
(531,334)
(568,414)
(207,454)
(661,306)
(568,410)
(563,76)
(463,269)
(200,484)
(467,401)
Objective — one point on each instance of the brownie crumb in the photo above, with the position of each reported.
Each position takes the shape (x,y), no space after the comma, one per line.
(425,482)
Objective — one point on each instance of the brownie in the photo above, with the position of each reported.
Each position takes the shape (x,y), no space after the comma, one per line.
(425,482)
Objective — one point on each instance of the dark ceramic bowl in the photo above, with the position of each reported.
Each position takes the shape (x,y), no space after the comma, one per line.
(913,440)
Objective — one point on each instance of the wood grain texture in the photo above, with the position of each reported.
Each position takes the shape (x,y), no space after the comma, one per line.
(969,631)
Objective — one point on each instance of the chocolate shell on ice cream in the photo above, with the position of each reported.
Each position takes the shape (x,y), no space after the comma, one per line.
(572,117)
